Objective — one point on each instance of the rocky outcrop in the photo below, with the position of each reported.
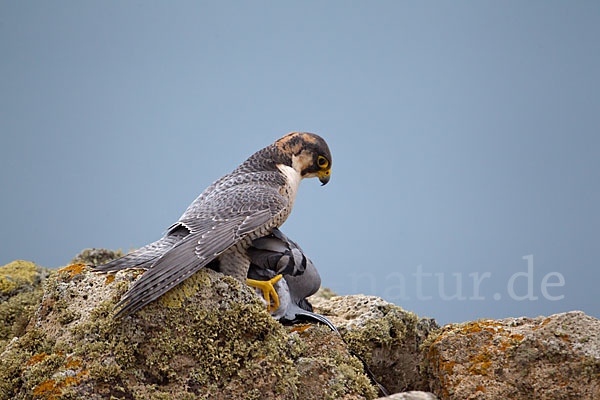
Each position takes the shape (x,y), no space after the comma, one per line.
(387,337)
(517,358)
(212,338)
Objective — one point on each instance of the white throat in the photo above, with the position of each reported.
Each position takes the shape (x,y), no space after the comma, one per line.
(293,179)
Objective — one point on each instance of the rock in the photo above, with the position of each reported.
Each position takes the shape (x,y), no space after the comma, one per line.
(96,256)
(20,293)
(384,335)
(517,358)
(324,294)
(20,277)
(414,395)
(209,338)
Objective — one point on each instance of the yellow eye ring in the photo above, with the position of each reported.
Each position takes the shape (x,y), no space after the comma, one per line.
(322,162)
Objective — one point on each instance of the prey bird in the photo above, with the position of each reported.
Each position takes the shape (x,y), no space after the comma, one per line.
(276,256)
(219,226)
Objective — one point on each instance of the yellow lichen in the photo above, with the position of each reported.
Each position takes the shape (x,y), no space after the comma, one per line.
(175,297)
(16,274)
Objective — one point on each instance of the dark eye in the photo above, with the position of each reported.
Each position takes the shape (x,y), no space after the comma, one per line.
(322,162)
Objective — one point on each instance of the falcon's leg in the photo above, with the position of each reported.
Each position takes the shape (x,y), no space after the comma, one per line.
(235,262)
(268,290)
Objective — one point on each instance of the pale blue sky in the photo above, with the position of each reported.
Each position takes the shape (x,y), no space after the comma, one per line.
(464,135)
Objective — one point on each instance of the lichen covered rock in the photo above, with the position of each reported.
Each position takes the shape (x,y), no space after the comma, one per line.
(208,338)
(20,294)
(19,277)
(211,338)
(384,335)
(516,358)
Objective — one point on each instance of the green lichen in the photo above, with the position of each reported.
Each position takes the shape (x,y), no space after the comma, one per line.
(176,297)
(162,346)
(391,340)
(386,332)
(327,370)
(15,314)
(16,359)
(20,294)
(590,368)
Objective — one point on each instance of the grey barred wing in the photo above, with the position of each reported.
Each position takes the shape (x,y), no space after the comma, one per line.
(219,223)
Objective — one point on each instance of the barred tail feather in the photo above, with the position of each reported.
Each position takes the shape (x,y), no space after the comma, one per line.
(145,257)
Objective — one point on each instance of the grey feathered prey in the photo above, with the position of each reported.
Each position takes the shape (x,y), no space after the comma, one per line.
(275,255)
(220,224)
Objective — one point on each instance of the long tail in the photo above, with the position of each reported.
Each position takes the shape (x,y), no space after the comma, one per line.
(312,316)
(146,256)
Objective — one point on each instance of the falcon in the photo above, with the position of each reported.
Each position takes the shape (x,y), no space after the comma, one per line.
(219,226)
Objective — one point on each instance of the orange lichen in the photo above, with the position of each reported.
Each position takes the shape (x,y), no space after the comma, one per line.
(110,278)
(52,390)
(564,337)
(472,328)
(36,359)
(47,390)
(480,389)
(73,269)
(447,367)
(69,380)
(477,327)
(517,336)
(72,364)
(481,363)
(544,323)
(444,369)
(511,341)
(300,329)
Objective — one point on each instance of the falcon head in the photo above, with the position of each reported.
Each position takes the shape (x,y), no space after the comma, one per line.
(308,154)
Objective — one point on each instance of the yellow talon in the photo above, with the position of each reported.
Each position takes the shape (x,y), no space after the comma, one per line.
(268,290)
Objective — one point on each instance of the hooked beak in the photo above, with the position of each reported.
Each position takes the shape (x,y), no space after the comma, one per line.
(324,176)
